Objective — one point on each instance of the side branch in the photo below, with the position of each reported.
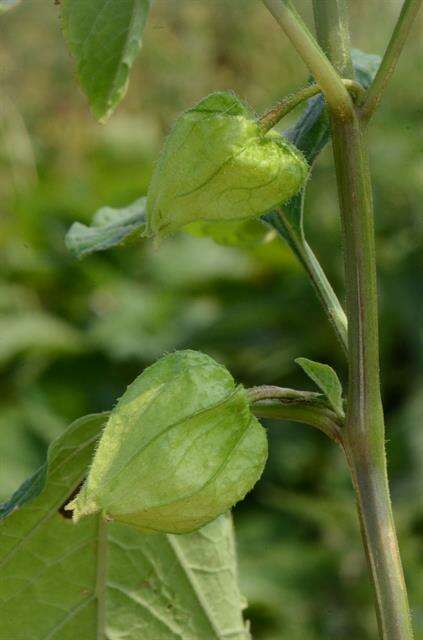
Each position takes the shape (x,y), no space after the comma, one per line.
(389,62)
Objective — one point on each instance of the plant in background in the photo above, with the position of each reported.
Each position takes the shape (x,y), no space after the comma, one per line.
(183,443)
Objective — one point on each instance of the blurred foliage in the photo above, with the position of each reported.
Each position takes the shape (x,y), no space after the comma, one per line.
(74,333)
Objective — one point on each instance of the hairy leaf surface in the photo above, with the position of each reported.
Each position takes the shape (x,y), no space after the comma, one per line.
(64,581)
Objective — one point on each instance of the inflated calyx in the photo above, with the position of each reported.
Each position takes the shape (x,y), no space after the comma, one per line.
(180,448)
(218,164)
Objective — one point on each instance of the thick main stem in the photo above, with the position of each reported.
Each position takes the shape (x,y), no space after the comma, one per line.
(364,438)
(364,433)
(333,34)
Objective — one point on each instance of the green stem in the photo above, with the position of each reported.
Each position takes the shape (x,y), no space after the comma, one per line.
(319,417)
(321,284)
(364,430)
(271,118)
(364,433)
(331,20)
(324,73)
(387,67)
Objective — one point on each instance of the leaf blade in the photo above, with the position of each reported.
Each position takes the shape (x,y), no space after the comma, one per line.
(104,36)
(197,563)
(327,380)
(54,582)
(37,525)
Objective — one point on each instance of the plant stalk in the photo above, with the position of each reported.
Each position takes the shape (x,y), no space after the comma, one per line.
(364,433)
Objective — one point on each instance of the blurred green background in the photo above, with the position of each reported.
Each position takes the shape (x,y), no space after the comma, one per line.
(74,334)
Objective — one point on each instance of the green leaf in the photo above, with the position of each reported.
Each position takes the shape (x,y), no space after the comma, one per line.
(189,586)
(104,36)
(48,567)
(110,228)
(92,580)
(327,380)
